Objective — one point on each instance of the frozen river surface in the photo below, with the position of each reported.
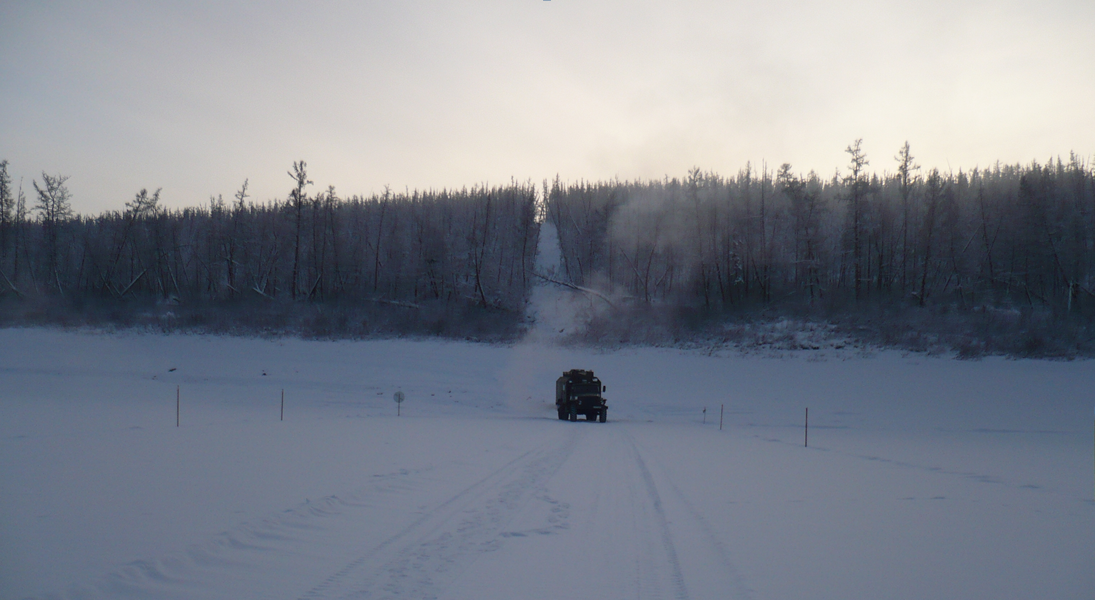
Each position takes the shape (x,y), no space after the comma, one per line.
(924,477)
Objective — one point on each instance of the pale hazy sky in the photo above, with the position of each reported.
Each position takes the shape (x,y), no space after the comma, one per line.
(194,97)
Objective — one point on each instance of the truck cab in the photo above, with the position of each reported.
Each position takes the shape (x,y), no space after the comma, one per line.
(578,392)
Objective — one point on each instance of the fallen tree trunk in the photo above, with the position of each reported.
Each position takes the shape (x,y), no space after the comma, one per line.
(577,288)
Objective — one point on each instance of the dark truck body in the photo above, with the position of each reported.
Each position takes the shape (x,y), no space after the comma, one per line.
(578,392)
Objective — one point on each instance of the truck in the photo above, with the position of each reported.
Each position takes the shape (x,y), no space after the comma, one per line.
(578,392)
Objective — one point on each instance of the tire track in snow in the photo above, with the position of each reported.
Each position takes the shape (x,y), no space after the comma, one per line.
(680,590)
(427,555)
(185,573)
(935,469)
(741,589)
(701,527)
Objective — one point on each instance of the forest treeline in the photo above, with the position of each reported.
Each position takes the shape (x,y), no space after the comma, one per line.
(449,263)
(1000,259)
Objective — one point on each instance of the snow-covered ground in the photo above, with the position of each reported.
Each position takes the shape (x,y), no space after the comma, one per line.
(925,477)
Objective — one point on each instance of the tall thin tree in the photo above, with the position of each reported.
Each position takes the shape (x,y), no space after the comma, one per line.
(53,208)
(7,209)
(906,175)
(857,183)
(297,198)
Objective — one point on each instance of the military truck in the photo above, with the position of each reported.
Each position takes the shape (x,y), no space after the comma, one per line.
(578,392)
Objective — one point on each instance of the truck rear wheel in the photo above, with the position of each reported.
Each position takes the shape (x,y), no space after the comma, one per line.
(562,414)
(604,415)
(573,413)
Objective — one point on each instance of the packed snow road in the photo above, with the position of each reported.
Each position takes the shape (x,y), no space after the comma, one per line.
(566,510)
(924,477)
(577,515)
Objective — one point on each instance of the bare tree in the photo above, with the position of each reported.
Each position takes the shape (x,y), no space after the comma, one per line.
(7,209)
(857,183)
(233,242)
(906,169)
(933,197)
(20,223)
(53,208)
(805,215)
(297,198)
(383,204)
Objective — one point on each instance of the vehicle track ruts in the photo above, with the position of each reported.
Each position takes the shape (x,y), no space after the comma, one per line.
(680,590)
(734,586)
(426,556)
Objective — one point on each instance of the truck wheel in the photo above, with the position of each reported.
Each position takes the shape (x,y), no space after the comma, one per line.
(562,414)
(573,414)
(604,415)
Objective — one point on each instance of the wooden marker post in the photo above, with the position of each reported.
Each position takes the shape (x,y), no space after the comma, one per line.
(176,406)
(705,415)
